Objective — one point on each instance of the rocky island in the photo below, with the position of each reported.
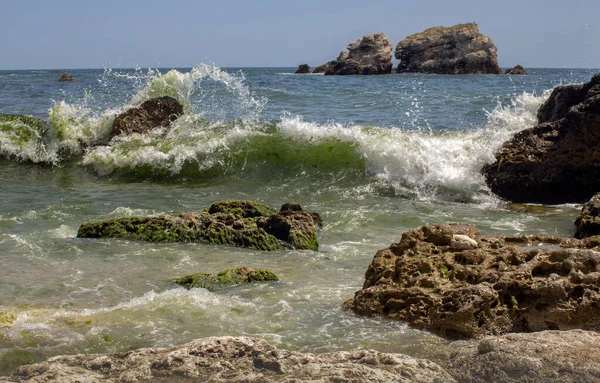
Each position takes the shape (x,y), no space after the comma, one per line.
(371,54)
(459,49)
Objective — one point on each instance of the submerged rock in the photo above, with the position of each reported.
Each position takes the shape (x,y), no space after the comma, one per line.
(459,49)
(556,161)
(65,77)
(588,222)
(371,54)
(226,278)
(505,284)
(516,70)
(547,356)
(237,223)
(303,69)
(151,114)
(229,359)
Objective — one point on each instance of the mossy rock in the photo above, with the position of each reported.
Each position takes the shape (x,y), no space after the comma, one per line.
(23,129)
(243,208)
(237,223)
(227,277)
(7,318)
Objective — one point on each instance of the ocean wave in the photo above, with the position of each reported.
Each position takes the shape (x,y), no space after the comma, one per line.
(419,163)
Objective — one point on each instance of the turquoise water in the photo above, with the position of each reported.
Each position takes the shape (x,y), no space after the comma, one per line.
(375,155)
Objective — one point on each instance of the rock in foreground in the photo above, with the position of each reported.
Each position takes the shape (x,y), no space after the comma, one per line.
(371,54)
(151,114)
(516,70)
(459,49)
(456,283)
(228,277)
(548,356)
(238,223)
(229,359)
(556,161)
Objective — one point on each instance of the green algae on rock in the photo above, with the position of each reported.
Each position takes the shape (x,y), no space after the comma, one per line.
(226,278)
(7,318)
(236,222)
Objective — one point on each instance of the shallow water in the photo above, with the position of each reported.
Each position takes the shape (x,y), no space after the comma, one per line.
(375,156)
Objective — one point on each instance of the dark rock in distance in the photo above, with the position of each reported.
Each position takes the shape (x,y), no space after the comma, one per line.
(459,49)
(303,69)
(227,277)
(371,54)
(232,359)
(452,281)
(237,223)
(324,68)
(151,114)
(546,356)
(66,77)
(516,70)
(588,222)
(558,160)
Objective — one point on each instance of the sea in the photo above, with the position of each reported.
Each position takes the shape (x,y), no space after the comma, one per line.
(374,155)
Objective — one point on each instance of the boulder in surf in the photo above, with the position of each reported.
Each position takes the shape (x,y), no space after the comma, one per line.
(504,284)
(558,160)
(151,114)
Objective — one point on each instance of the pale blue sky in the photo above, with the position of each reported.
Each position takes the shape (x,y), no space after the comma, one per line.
(110,33)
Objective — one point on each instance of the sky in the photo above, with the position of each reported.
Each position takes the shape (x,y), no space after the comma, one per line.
(66,34)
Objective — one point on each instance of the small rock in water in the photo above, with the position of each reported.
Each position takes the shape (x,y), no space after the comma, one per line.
(303,69)
(228,277)
(65,77)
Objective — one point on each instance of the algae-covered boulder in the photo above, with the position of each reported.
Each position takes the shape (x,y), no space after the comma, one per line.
(23,137)
(7,318)
(227,277)
(238,223)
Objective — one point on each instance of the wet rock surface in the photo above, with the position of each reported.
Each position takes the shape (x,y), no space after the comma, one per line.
(556,161)
(229,359)
(151,114)
(224,278)
(516,70)
(588,222)
(459,49)
(371,54)
(236,222)
(505,284)
(547,356)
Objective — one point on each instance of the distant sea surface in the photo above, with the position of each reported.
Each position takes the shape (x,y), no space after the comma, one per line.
(374,155)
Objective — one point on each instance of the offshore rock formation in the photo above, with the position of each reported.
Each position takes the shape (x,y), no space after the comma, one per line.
(155,113)
(229,359)
(228,277)
(324,68)
(66,77)
(588,222)
(516,70)
(303,69)
(459,49)
(456,283)
(547,356)
(556,161)
(371,54)
(238,223)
